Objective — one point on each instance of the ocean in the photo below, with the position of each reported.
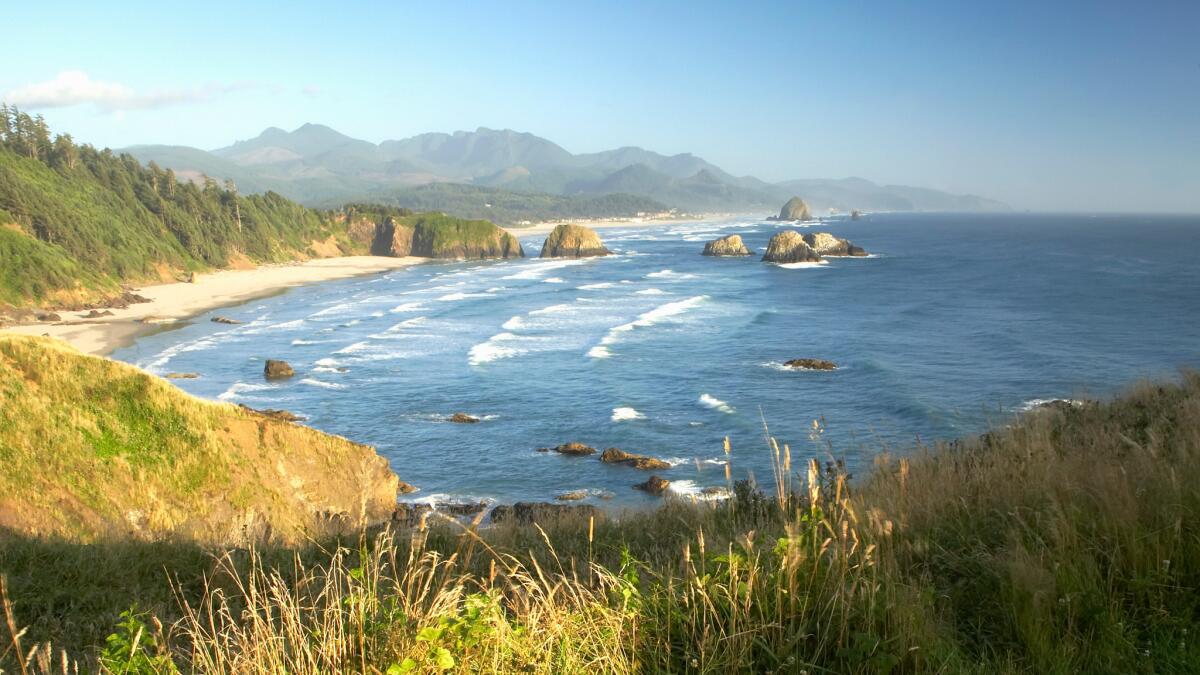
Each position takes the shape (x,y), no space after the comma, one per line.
(955,323)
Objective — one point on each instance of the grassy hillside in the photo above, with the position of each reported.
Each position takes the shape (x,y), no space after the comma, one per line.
(94,449)
(1066,542)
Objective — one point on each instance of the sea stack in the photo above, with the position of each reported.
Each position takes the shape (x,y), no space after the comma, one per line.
(794,209)
(826,244)
(573,241)
(789,247)
(855,214)
(726,246)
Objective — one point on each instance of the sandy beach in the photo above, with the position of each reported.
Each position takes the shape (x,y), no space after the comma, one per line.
(170,303)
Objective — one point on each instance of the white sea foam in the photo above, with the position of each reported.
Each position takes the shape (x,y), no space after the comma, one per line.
(802,265)
(554,280)
(299,342)
(554,309)
(239,388)
(783,367)
(681,461)
(710,401)
(354,348)
(319,383)
(515,323)
(453,297)
(599,352)
(1035,403)
(669,274)
(486,352)
(690,490)
(626,414)
(408,307)
(595,287)
(651,291)
(535,271)
(646,320)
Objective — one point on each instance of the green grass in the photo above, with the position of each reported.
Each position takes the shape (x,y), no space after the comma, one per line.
(1068,542)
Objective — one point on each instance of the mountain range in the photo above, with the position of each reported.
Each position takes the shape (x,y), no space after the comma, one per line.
(468,172)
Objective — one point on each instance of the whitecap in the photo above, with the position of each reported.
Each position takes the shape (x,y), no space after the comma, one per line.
(651,291)
(553,280)
(626,414)
(319,383)
(494,349)
(407,307)
(652,317)
(1035,403)
(689,489)
(595,287)
(515,323)
(535,271)
(709,401)
(453,297)
(599,352)
(554,309)
(669,274)
(237,389)
(802,265)
(354,348)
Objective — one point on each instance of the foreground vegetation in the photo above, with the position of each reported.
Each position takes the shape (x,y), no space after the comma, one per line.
(1067,542)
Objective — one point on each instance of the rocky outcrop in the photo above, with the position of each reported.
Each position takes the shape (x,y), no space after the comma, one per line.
(811,364)
(855,214)
(575,449)
(462,418)
(794,209)
(618,456)
(49,317)
(276,370)
(726,246)
(826,244)
(443,237)
(654,485)
(412,514)
(96,314)
(542,512)
(572,496)
(225,320)
(181,376)
(273,413)
(789,247)
(573,241)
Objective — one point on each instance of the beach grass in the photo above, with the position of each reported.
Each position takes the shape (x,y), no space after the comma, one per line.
(1066,542)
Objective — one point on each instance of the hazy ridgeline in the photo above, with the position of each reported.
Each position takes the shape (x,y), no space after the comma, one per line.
(1066,542)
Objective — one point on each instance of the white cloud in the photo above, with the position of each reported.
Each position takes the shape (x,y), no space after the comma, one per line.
(75,87)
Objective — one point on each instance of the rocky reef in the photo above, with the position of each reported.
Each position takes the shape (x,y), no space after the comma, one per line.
(618,456)
(726,246)
(573,241)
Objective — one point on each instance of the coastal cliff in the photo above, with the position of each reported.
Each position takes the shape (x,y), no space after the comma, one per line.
(93,449)
(430,235)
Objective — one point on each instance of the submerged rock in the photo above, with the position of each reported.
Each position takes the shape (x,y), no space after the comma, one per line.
(726,246)
(531,512)
(618,456)
(572,496)
(275,370)
(789,247)
(463,418)
(577,449)
(225,319)
(794,209)
(654,485)
(573,241)
(811,364)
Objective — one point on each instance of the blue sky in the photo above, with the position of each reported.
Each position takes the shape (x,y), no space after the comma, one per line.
(1048,106)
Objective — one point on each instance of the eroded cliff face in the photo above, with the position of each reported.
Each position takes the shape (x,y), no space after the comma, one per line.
(94,448)
(573,241)
(436,236)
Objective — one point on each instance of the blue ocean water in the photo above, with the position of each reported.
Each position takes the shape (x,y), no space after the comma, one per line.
(951,326)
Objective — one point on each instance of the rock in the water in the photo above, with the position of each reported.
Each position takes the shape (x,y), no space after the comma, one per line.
(410,514)
(530,512)
(429,235)
(49,317)
(789,247)
(811,364)
(225,319)
(855,214)
(618,456)
(572,496)
(463,418)
(654,485)
(826,244)
(181,376)
(794,209)
(573,241)
(275,370)
(726,246)
(577,449)
(96,314)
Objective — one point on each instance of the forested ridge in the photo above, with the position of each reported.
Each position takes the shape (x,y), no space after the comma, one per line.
(77,222)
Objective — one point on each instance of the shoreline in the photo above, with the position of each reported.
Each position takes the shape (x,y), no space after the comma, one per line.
(178,301)
(547,228)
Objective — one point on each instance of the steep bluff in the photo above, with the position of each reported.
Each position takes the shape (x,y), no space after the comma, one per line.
(573,241)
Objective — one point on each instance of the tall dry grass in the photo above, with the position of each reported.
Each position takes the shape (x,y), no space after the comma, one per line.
(1068,542)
